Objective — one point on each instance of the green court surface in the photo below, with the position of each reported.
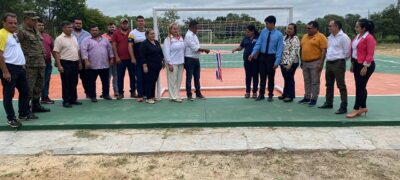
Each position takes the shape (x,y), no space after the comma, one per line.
(215,112)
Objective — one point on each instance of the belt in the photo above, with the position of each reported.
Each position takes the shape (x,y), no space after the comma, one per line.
(335,61)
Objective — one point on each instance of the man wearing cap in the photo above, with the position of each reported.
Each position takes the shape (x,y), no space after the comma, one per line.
(123,58)
(34,52)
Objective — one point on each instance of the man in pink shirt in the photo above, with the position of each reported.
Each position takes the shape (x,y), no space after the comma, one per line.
(48,43)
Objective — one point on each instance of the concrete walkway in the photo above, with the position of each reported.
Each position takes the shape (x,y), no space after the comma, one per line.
(197,140)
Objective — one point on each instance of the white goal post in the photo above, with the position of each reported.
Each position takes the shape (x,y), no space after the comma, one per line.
(158,9)
(212,35)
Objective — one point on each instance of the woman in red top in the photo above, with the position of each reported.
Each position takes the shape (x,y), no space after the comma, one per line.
(363,65)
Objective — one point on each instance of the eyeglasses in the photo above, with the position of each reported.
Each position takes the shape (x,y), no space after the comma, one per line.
(16,38)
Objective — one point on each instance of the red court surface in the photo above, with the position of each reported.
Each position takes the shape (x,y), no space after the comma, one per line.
(379,84)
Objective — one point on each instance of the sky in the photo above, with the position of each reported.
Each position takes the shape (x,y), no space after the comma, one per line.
(304,10)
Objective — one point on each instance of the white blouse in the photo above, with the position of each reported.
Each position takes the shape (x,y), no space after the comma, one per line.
(174,50)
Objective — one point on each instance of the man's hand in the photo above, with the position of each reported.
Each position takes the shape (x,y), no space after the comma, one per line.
(7,76)
(275,66)
(60,69)
(320,67)
(133,60)
(207,51)
(111,61)
(87,64)
(352,68)
(117,60)
(250,58)
(170,67)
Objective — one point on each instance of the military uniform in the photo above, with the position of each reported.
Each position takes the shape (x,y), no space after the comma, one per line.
(34,52)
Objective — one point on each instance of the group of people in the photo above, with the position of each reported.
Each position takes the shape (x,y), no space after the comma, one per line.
(26,52)
(264,52)
(25,62)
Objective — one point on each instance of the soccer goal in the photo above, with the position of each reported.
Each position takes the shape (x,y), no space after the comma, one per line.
(220,30)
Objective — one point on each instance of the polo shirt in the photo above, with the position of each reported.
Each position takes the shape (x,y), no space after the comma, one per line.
(122,44)
(67,46)
(11,48)
(312,46)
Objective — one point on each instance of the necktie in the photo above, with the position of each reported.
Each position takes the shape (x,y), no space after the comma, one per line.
(268,39)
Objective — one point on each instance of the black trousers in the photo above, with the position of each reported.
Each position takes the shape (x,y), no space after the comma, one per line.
(267,71)
(150,81)
(251,70)
(19,81)
(361,84)
(83,75)
(105,81)
(192,67)
(69,80)
(289,89)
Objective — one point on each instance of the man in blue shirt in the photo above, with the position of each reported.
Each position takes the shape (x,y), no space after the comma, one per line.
(269,47)
(80,35)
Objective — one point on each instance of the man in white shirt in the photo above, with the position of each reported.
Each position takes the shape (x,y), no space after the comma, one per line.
(337,54)
(192,62)
(13,73)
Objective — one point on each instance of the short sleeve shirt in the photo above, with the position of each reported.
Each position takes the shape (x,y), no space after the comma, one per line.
(11,48)
(248,45)
(136,38)
(67,46)
(312,46)
(122,44)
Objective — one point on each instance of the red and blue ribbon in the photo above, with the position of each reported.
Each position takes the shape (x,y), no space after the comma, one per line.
(218,72)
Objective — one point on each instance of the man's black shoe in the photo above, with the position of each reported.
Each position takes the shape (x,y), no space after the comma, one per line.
(326,106)
(76,103)
(67,105)
(259,98)
(37,108)
(93,99)
(28,117)
(270,99)
(341,111)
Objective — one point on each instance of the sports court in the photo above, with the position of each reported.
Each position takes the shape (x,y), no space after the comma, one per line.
(225,106)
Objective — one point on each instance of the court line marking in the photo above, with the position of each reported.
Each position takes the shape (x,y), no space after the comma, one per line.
(389,61)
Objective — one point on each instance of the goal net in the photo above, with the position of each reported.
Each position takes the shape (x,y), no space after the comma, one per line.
(220,30)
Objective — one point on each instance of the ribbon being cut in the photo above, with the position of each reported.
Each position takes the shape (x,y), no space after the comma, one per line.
(218,72)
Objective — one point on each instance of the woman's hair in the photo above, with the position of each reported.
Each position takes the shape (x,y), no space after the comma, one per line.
(148,32)
(368,25)
(294,33)
(170,29)
(253,28)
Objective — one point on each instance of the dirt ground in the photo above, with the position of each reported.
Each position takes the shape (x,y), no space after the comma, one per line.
(388,50)
(234,165)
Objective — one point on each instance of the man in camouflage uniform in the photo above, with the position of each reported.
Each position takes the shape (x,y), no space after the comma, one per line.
(34,52)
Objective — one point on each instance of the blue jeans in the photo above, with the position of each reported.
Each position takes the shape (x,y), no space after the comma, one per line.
(139,78)
(114,75)
(47,77)
(121,68)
